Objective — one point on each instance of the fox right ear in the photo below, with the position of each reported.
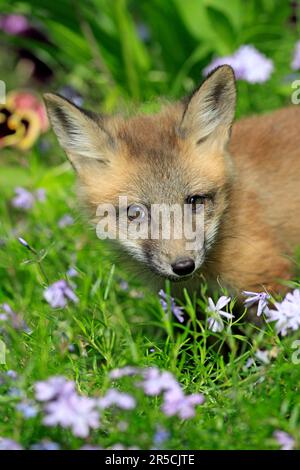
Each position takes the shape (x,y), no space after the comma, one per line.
(211,108)
(81,134)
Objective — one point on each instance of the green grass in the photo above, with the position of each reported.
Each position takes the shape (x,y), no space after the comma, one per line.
(111,327)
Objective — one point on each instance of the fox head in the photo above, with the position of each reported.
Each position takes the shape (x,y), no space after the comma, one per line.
(177,157)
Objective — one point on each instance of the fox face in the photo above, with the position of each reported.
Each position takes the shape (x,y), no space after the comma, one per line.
(176,160)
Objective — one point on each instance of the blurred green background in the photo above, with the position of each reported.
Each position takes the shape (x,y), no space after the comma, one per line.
(117,53)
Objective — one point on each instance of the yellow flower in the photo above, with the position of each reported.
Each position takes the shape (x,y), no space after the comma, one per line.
(22,119)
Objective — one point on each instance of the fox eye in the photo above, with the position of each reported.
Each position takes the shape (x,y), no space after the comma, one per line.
(136,213)
(196,200)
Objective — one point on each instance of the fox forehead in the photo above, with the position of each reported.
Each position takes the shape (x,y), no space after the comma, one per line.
(151,137)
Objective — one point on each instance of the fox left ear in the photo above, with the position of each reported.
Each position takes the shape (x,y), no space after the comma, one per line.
(210,110)
(80,133)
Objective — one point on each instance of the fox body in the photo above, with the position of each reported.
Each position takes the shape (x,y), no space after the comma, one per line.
(245,176)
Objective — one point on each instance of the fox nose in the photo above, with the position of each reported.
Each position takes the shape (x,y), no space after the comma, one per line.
(183,267)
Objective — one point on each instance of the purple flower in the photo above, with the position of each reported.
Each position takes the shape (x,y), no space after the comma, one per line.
(23,200)
(143,32)
(9,444)
(7,311)
(250,362)
(124,285)
(11,374)
(28,409)
(59,293)
(215,322)
(54,388)
(156,381)
(71,94)
(248,64)
(16,320)
(65,220)
(90,447)
(287,313)
(15,392)
(64,407)
(14,24)
(45,445)
(74,412)
(114,397)
(177,311)
(123,372)
(284,439)
(40,194)
(257,297)
(178,404)
(72,272)
(175,402)
(161,435)
(296,58)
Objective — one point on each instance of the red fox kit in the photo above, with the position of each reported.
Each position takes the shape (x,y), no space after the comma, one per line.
(244,175)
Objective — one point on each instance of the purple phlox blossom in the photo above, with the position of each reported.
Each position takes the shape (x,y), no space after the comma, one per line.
(23,199)
(72,272)
(45,445)
(7,311)
(71,94)
(59,293)
(250,362)
(9,444)
(14,24)
(161,435)
(64,407)
(296,57)
(28,409)
(12,374)
(123,372)
(124,285)
(40,194)
(286,441)
(16,392)
(75,412)
(287,313)
(263,356)
(115,398)
(215,322)
(143,32)
(257,297)
(248,64)
(176,403)
(156,381)
(65,221)
(165,299)
(53,388)
(15,319)
(90,447)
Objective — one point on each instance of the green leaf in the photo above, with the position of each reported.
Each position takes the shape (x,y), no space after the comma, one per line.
(224,31)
